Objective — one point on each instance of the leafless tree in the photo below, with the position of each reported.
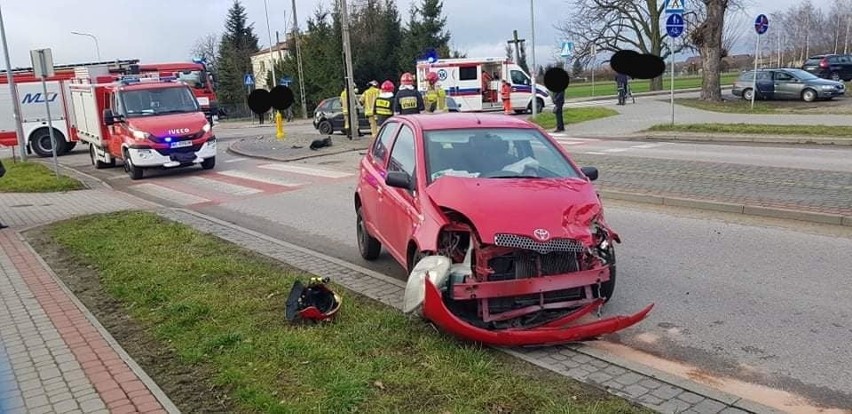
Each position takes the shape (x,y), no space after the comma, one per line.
(206,47)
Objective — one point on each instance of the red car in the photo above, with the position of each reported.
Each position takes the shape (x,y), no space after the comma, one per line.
(502,202)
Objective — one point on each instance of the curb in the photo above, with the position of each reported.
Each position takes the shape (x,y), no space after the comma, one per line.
(758,139)
(749,210)
(232,148)
(155,389)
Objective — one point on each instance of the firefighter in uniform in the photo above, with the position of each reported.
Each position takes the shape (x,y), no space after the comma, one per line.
(408,99)
(436,98)
(385,102)
(368,100)
(344,103)
(506,96)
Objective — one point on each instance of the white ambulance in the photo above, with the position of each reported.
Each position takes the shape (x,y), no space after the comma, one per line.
(475,83)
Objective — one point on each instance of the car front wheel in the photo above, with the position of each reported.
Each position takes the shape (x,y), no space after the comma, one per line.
(325,128)
(809,95)
(368,246)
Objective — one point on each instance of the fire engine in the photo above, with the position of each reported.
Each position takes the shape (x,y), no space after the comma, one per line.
(143,120)
(475,83)
(195,75)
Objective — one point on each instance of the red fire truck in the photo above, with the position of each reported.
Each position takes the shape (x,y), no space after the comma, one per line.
(195,75)
(143,120)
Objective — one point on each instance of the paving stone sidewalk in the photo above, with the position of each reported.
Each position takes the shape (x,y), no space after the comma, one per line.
(54,356)
(787,188)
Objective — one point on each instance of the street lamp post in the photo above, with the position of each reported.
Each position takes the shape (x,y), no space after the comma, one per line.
(13,91)
(97,46)
(533,102)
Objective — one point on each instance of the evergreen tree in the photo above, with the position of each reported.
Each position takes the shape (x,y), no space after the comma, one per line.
(424,32)
(577,68)
(237,45)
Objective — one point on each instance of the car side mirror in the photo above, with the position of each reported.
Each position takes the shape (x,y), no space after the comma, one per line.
(590,172)
(399,179)
(111,118)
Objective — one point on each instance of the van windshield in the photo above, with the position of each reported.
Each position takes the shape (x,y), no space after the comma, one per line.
(158,101)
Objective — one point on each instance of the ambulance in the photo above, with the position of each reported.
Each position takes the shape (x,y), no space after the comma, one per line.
(475,84)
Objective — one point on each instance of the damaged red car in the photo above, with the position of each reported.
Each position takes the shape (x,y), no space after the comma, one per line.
(503,236)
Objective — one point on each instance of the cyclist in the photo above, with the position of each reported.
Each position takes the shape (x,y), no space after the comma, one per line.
(621,82)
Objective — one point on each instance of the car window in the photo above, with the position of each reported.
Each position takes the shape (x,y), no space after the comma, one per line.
(813,61)
(494,153)
(834,60)
(383,142)
(844,60)
(335,106)
(402,155)
(518,78)
(783,76)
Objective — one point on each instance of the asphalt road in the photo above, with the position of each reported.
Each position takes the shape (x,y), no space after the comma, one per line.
(759,300)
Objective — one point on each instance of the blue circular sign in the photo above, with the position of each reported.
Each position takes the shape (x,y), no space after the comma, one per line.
(442,74)
(675,25)
(761,24)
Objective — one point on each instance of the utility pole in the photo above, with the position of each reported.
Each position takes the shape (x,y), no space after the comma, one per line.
(517,43)
(271,56)
(299,62)
(13,92)
(350,83)
(534,71)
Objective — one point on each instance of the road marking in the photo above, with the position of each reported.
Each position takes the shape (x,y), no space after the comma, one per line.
(570,142)
(616,150)
(168,194)
(236,159)
(594,153)
(259,178)
(648,146)
(306,170)
(216,185)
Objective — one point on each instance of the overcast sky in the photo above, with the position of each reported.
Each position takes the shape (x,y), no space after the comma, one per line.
(165,30)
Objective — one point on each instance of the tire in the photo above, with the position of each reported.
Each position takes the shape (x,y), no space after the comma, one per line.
(208,163)
(835,76)
(99,165)
(809,95)
(539,105)
(69,146)
(41,144)
(413,258)
(368,246)
(325,128)
(134,172)
(607,288)
(747,94)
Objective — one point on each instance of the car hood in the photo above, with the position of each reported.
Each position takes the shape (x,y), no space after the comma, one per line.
(564,208)
(823,82)
(169,125)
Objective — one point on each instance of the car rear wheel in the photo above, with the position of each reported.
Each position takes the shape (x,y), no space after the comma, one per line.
(325,128)
(368,246)
(809,95)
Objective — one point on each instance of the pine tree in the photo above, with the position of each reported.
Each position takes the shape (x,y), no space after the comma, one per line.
(237,45)
(424,32)
(577,69)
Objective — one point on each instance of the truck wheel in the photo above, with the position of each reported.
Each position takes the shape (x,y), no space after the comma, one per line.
(132,171)
(41,145)
(325,128)
(68,147)
(209,163)
(99,165)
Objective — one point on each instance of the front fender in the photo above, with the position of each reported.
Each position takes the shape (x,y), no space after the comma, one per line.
(429,224)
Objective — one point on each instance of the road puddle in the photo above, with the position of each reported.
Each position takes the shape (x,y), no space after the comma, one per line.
(770,397)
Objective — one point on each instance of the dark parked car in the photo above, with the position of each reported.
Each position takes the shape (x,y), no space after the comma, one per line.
(787,83)
(834,67)
(328,117)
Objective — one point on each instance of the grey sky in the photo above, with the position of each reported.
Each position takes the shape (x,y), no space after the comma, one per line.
(165,30)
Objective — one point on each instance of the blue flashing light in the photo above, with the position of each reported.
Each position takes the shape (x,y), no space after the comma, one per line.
(168,139)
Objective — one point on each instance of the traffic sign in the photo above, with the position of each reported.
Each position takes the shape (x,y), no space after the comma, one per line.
(674,25)
(761,24)
(675,6)
(249,80)
(567,49)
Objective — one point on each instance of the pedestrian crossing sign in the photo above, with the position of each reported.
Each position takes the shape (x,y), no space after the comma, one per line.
(675,6)
(567,49)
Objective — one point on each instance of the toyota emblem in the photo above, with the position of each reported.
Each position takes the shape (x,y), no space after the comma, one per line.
(541,234)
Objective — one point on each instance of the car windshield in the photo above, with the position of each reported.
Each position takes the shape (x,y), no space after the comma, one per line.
(494,153)
(157,101)
(801,74)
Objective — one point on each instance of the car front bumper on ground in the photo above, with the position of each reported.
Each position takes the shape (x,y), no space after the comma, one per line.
(167,158)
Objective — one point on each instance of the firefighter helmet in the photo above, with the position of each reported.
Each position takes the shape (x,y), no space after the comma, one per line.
(387,86)
(406,79)
(315,302)
(432,77)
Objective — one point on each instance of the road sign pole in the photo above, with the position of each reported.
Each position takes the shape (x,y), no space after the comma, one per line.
(671,38)
(754,78)
(13,93)
(44,67)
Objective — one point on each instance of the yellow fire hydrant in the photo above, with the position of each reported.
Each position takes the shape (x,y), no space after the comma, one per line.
(279,126)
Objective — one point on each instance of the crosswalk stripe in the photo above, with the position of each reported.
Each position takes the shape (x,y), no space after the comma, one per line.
(646,146)
(616,149)
(570,142)
(259,178)
(235,160)
(168,194)
(306,170)
(594,153)
(220,186)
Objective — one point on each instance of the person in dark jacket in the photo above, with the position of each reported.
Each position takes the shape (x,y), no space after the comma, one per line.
(408,98)
(559,101)
(621,84)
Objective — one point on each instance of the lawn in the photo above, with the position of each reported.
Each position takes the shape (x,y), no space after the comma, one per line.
(607,87)
(547,119)
(219,307)
(759,129)
(731,106)
(34,177)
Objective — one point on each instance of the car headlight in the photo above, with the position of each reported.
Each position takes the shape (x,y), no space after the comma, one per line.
(206,128)
(140,135)
(828,87)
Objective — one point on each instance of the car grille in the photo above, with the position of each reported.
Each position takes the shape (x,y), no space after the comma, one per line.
(527,243)
(184,150)
(194,136)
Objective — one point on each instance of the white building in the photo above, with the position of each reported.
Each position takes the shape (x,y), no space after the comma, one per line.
(261,63)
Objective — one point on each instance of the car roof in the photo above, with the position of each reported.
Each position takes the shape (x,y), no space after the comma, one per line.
(461,120)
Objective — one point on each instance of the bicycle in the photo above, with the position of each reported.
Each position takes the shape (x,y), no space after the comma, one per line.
(624,93)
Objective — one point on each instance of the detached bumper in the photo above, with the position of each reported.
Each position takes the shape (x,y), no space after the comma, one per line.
(551,333)
(168,158)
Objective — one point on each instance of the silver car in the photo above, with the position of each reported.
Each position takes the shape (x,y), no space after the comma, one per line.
(787,83)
